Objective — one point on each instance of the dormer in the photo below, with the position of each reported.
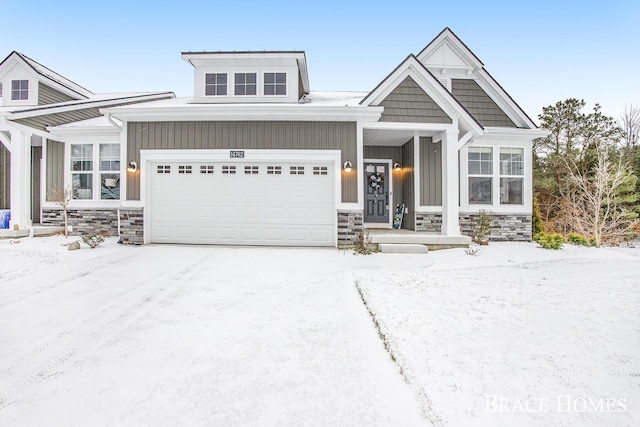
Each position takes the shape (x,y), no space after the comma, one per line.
(248,77)
(25,82)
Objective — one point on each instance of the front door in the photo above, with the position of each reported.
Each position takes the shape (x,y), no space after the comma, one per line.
(376,193)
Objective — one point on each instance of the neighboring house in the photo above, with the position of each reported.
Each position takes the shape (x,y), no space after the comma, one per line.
(257,158)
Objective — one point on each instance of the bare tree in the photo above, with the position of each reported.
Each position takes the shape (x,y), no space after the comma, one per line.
(599,198)
(630,125)
(62,196)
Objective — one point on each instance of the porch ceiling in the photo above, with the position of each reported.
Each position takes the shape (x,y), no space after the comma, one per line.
(391,137)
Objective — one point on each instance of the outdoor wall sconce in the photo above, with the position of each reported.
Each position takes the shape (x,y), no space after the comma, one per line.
(347,166)
(397,167)
(132,167)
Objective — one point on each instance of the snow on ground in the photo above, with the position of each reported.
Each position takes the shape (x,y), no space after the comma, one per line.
(165,335)
(518,335)
(179,335)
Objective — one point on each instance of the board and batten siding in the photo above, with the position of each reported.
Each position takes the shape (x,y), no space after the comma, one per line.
(55,166)
(5,177)
(244,135)
(430,172)
(479,104)
(49,95)
(409,103)
(408,185)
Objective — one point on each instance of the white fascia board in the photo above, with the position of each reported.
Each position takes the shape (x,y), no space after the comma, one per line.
(513,133)
(243,112)
(455,44)
(424,127)
(29,130)
(100,132)
(81,105)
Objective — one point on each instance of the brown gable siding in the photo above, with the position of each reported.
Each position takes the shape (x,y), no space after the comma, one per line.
(5,177)
(49,95)
(479,104)
(409,103)
(244,135)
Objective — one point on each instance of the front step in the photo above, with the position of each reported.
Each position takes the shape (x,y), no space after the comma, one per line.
(402,248)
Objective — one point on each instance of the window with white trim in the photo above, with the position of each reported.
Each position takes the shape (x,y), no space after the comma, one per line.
(245,84)
(275,83)
(511,176)
(480,169)
(109,171)
(215,84)
(85,177)
(19,89)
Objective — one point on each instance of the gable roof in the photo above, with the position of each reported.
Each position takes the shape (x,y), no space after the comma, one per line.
(453,49)
(429,84)
(57,80)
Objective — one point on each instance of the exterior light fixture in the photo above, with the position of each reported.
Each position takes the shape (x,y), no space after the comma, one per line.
(347,166)
(132,166)
(397,167)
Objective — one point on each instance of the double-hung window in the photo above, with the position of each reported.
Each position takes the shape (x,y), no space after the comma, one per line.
(511,176)
(275,83)
(245,84)
(19,89)
(480,168)
(215,84)
(110,171)
(85,176)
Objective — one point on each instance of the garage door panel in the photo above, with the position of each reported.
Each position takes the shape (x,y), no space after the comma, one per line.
(250,209)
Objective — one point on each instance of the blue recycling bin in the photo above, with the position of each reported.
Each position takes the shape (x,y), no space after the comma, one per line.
(5,217)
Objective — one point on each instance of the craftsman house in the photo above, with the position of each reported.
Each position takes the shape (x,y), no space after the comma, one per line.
(255,157)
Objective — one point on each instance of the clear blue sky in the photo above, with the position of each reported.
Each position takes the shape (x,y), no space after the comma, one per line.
(541,52)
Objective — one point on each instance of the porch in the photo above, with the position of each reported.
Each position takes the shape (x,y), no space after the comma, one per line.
(433,241)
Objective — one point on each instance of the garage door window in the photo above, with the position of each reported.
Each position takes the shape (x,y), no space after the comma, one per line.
(206,169)
(251,170)
(296,170)
(274,170)
(228,170)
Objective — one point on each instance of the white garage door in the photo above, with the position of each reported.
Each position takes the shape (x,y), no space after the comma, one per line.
(234,203)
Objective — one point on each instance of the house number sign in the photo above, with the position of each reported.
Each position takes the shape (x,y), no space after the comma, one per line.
(236,154)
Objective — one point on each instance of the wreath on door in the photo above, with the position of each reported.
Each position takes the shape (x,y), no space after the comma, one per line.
(376,180)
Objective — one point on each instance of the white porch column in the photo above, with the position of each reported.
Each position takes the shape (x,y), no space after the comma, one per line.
(450,185)
(20,179)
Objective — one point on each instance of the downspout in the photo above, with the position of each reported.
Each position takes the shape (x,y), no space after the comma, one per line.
(113,122)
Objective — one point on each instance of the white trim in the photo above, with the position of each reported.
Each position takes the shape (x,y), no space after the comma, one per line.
(34,111)
(428,209)
(419,127)
(241,112)
(466,138)
(260,155)
(360,166)
(389,163)
(416,173)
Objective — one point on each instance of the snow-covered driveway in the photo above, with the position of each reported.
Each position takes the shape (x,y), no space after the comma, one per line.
(175,335)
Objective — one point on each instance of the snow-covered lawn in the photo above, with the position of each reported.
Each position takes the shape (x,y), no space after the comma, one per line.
(188,335)
(517,336)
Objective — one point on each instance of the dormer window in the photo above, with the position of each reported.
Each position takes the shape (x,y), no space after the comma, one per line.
(245,84)
(215,84)
(19,89)
(275,83)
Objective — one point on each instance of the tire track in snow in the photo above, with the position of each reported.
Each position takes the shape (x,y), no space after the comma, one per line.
(92,338)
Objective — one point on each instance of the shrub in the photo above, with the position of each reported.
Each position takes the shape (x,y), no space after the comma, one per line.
(537,225)
(93,240)
(549,240)
(363,244)
(481,225)
(579,239)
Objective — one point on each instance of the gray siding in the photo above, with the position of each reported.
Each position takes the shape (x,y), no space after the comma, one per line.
(479,104)
(244,135)
(408,187)
(36,158)
(395,154)
(49,95)
(5,177)
(55,166)
(409,103)
(430,172)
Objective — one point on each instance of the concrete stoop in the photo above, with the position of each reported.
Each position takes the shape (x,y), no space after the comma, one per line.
(402,248)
